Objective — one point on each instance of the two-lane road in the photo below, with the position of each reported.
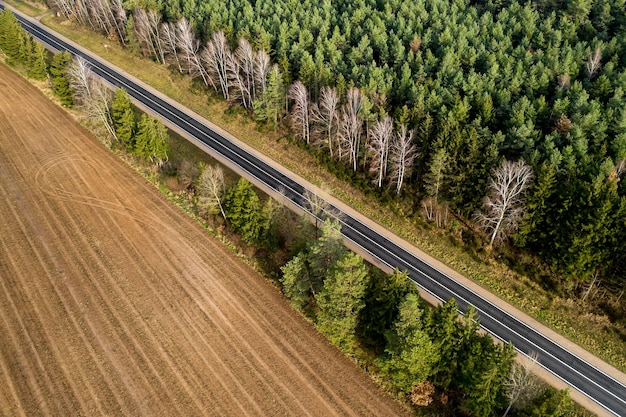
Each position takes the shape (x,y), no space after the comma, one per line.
(604,390)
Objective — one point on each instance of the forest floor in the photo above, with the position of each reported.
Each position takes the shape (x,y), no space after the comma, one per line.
(115,302)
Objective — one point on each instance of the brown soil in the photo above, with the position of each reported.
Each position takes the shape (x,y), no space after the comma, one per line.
(114,302)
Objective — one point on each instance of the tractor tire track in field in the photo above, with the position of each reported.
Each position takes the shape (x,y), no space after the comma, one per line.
(114,302)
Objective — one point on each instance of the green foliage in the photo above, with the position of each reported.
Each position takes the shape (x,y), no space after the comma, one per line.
(12,38)
(244,213)
(151,141)
(341,300)
(382,300)
(269,107)
(39,66)
(411,354)
(551,403)
(325,252)
(124,119)
(59,78)
(296,281)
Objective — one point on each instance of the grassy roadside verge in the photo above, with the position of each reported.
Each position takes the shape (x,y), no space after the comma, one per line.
(564,316)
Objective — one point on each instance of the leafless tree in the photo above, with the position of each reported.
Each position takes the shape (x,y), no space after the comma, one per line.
(300,111)
(108,17)
(523,385)
(564,82)
(402,155)
(378,146)
(169,38)
(98,108)
(594,62)
(92,95)
(215,57)
(351,126)
(433,180)
(325,116)
(504,205)
(211,188)
(65,7)
(188,47)
(319,208)
(147,30)
(262,63)
(241,73)
(80,77)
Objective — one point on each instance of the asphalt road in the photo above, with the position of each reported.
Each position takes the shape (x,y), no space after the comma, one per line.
(601,388)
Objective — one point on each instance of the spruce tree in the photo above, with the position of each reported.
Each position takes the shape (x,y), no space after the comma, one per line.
(243,211)
(151,140)
(59,78)
(341,300)
(39,67)
(124,119)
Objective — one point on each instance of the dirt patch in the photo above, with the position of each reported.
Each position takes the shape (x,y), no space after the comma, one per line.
(114,302)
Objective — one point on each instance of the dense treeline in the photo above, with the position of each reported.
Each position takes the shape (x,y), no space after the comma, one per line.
(429,355)
(465,86)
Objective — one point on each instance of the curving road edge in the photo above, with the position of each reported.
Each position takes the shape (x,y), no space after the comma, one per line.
(606,394)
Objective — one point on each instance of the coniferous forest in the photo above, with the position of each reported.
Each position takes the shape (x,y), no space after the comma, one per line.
(446,104)
(509,117)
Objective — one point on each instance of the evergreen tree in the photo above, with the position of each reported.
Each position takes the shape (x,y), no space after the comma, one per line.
(325,252)
(384,294)
(243,211)
(151,140)
(59,78)
(269,107)
(12,38)
(296,281)
(124,118)
(483,383)
(39,67)
(341,300)
(411,355)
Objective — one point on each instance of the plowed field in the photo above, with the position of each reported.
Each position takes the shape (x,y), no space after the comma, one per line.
(113,302)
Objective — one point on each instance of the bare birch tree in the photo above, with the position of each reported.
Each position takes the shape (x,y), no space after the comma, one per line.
(211,188)
(504,205)
(147,30)
(241,72)
(262,63)
(93,97)
(351,126)
(325,116)
(523,385)
(300,113)
(169,37)
(99,106)
(215,57)
(378,146)
(80,77)
(594,62)
(188,47)
(402,155)
(433,181)
(319,208)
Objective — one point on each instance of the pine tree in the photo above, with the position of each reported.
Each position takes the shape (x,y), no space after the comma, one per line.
(243,211)
(296,281)
(325,252)
(59,78)
(151,140)
(124,119)
(383,298)
(341,300)
(270,105)
(411,354)
(11,38)
(39,67)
